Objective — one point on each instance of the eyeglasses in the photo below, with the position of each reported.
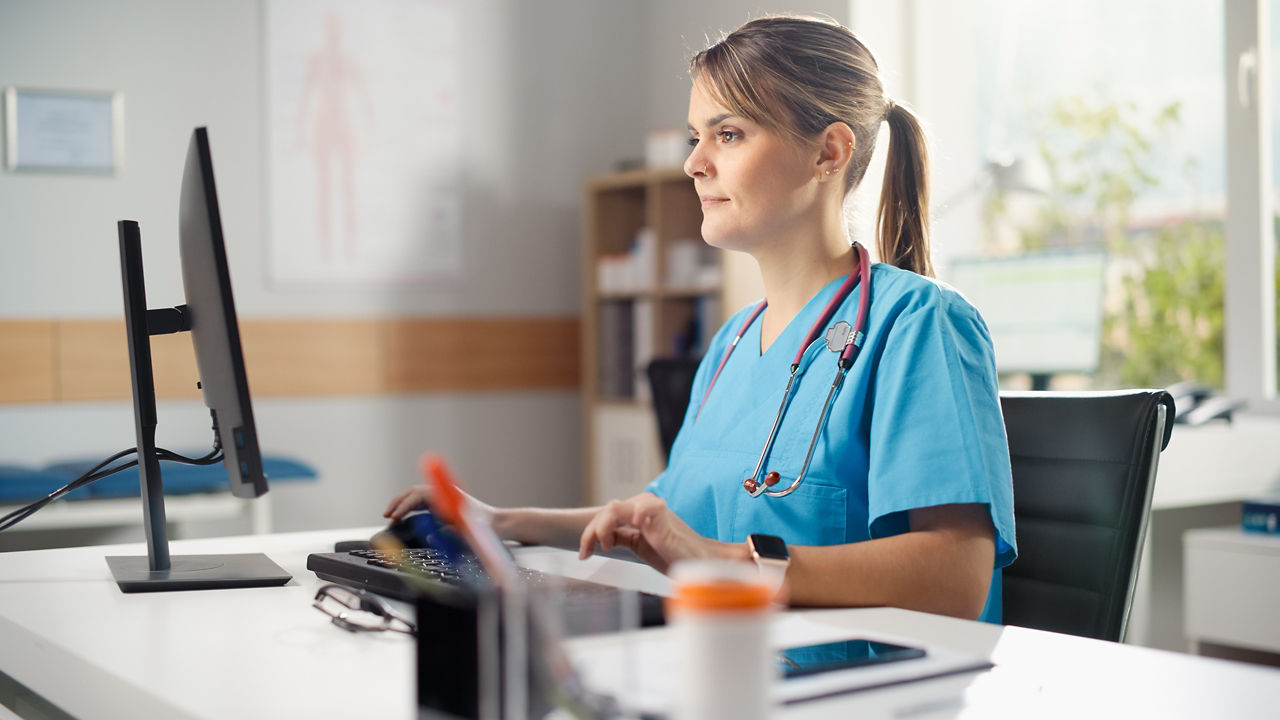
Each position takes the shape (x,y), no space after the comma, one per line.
(371,613)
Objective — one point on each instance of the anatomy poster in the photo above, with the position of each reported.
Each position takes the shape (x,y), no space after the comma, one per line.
(363,140)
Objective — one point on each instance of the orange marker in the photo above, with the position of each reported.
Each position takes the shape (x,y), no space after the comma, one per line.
(448,498)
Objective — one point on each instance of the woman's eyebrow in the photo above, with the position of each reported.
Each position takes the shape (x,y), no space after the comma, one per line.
(713,121)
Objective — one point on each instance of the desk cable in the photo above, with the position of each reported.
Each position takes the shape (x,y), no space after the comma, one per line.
(101,470)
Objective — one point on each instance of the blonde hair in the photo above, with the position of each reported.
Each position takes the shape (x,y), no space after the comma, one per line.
(797,76)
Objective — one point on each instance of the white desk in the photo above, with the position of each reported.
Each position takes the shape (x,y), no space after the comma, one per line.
(68,634)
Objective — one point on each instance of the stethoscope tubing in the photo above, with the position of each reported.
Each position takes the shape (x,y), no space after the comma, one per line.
(813,443)
(853,345)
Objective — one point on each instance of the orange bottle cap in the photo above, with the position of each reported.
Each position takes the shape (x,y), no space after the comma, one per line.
(731,595)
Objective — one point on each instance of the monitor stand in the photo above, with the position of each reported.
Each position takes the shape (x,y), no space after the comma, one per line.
(158,571)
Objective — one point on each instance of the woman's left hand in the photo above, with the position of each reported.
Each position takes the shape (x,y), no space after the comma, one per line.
(647,527)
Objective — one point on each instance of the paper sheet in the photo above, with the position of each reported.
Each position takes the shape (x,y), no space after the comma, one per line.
(638,668)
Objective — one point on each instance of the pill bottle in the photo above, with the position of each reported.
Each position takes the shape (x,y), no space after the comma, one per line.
(720,614)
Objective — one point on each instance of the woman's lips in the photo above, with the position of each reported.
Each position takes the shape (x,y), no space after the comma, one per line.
(710,201)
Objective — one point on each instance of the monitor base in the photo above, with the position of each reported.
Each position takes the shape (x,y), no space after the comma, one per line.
(196,572)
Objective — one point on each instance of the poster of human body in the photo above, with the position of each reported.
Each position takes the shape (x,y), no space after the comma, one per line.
(363,137)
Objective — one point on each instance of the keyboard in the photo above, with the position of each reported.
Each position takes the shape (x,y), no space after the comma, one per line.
(405,575)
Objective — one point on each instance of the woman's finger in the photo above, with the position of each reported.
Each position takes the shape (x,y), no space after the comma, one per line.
(601,529)
(406,502)
(391,506)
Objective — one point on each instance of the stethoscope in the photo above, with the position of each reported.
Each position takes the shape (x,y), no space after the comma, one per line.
(840,339)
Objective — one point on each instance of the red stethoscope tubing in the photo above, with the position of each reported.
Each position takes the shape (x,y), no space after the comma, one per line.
(852,347)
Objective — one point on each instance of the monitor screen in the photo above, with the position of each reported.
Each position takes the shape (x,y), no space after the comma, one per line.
(1044,309)
(212,316)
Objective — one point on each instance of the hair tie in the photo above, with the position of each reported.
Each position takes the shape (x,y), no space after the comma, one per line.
(889,105)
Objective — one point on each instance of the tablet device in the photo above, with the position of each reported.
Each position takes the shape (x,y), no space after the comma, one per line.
(826,657)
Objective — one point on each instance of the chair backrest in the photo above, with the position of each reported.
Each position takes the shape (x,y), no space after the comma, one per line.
(1084,467)
(670,382)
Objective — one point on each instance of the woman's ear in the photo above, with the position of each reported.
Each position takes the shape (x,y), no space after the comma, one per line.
(835,150)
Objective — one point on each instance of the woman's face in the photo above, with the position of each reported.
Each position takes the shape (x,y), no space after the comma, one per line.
(756,186)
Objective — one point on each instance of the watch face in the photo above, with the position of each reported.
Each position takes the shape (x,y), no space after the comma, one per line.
(769,546)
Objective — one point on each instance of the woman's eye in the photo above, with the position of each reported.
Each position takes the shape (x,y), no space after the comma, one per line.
(693,142)
(729,136)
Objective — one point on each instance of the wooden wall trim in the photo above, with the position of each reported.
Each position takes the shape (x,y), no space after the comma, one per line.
(27,349)
(45,361)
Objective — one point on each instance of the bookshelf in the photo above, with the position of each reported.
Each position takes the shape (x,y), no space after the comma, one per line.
(651,288)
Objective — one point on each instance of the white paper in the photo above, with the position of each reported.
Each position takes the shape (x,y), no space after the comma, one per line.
(364,139)
(609,665)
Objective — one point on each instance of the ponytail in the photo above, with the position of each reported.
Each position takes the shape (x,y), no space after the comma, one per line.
(902,221)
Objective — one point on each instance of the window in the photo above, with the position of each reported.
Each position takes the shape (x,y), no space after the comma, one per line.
(1088,127)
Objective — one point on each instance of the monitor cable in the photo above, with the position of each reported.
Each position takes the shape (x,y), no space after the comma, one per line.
(101,470)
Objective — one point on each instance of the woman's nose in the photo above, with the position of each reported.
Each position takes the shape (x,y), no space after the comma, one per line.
(696,165)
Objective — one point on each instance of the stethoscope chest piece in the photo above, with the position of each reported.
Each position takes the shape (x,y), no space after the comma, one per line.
(838,336)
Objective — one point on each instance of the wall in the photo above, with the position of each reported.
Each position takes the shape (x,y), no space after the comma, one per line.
(540,115)
(548,97)
(553,92)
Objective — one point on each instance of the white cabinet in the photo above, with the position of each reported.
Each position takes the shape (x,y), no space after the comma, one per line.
(627,452)
(1232,588)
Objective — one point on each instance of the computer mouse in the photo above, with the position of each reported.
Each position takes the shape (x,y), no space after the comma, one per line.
(419,529)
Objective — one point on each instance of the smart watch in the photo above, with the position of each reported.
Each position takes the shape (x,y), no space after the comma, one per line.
(770,555)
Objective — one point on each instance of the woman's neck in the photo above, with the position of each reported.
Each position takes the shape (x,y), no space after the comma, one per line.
(797,272)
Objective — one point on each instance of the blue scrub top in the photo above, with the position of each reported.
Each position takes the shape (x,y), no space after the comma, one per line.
(916,423)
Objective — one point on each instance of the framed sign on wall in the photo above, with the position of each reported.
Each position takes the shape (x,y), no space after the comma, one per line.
(63,131)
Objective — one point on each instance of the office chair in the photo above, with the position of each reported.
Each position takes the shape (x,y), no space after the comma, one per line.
(670,382)
(1084,466)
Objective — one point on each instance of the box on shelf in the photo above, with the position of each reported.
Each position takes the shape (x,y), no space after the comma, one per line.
(632,271)
(690,265)
(666,148)
(1261,515)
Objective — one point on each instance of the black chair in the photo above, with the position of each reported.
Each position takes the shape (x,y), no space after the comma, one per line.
(1084,467)
(670,382)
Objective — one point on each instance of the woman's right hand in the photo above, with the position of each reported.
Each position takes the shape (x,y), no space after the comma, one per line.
(418,497)
(413,498)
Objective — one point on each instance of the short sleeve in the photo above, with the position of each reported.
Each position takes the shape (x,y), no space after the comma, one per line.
(937,434)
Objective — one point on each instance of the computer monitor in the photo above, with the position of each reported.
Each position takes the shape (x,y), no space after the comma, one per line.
(210,315)
(215,334)
(1044,309)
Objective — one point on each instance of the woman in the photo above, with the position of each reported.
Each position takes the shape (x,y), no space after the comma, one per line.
(906,496)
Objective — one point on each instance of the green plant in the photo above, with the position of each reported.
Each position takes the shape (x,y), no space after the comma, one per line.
(1170,325)
(1164,309)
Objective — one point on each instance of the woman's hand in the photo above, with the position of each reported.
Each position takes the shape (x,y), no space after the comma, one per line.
(418,497)
(647,527)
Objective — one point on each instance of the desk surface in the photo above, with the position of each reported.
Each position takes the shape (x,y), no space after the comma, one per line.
(67,633)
